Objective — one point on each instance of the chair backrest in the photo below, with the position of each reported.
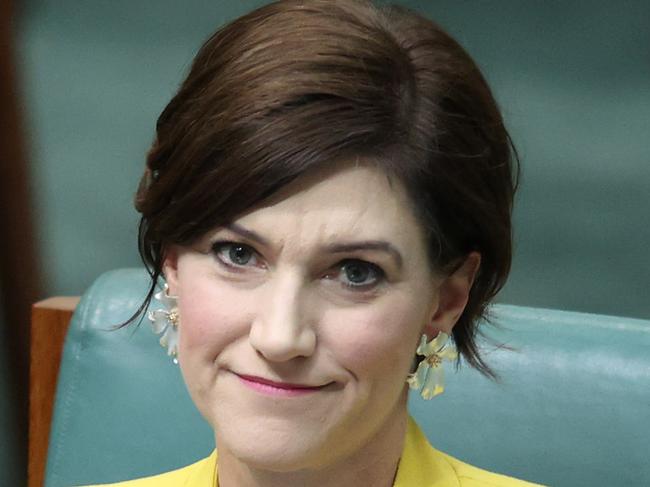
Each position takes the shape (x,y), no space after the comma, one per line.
(572,407)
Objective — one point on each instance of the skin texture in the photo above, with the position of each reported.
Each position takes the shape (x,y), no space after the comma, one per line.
(281,310)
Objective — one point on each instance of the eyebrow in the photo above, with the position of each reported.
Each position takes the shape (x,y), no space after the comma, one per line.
(377,245)
(249,234)
(335,248)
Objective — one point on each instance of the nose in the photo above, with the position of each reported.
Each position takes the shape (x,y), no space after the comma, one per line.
(280,331)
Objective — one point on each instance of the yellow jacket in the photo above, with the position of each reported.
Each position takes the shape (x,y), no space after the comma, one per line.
(420,465)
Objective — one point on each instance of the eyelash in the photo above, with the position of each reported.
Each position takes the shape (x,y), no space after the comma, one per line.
(373,269)
(217,250)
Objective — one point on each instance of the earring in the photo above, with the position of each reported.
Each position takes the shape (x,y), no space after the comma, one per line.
(429,376)
(164,322)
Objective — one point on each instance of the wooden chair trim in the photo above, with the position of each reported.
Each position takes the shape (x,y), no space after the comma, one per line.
(50,320)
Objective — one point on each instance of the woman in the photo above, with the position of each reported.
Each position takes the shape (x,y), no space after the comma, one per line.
(328,198)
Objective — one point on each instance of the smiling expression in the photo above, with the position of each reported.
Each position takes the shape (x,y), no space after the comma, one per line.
(300,319)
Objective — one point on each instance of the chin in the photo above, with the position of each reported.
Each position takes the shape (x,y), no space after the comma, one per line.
(279,438)
(274,447)
(280,434)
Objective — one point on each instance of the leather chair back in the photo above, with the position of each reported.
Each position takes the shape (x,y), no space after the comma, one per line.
(572,408)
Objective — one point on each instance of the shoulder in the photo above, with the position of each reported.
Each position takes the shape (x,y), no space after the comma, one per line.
(197,474)
(470,476)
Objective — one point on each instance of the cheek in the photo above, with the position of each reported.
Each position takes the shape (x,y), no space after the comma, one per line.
(211,317)
(376,340)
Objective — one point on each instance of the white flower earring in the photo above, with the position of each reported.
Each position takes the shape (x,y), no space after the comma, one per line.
(164,322)
(429,376)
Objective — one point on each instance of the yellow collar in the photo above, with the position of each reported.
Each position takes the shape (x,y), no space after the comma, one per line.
(204,472)
(421,465)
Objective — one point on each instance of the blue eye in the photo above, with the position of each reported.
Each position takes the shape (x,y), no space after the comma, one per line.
(235,254)
(360,274)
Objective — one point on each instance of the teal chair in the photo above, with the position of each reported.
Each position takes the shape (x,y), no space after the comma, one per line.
(572,408)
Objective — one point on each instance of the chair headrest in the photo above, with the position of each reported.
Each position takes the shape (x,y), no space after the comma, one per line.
(572,407)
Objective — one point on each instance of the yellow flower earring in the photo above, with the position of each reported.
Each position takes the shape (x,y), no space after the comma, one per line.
(429,376)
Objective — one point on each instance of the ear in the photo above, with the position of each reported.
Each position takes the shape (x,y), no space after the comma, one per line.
(170,268)
(453,294)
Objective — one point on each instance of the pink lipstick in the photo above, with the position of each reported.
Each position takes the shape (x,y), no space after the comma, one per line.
(272,388)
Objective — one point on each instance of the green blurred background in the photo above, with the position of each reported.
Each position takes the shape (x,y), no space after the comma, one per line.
(572,78)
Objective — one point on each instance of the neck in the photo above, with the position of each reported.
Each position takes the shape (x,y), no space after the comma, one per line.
(375,463)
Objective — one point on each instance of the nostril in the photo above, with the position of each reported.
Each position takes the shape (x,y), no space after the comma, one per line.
(278,346)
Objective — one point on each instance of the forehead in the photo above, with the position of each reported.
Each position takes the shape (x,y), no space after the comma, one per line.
(349,201)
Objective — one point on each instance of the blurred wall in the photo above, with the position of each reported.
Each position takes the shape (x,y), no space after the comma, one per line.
(19,262)
(573,79)
(97,75)
(12,458)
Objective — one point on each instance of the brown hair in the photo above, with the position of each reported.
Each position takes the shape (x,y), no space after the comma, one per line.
(298,84)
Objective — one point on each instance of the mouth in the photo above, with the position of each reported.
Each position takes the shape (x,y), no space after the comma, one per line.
(273,388)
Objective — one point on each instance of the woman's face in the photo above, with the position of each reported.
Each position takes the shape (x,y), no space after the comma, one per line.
(299,321)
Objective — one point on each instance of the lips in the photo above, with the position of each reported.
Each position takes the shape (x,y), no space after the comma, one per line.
(279,385)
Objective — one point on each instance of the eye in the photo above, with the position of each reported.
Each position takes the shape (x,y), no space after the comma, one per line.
(359,274)
(233,254)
